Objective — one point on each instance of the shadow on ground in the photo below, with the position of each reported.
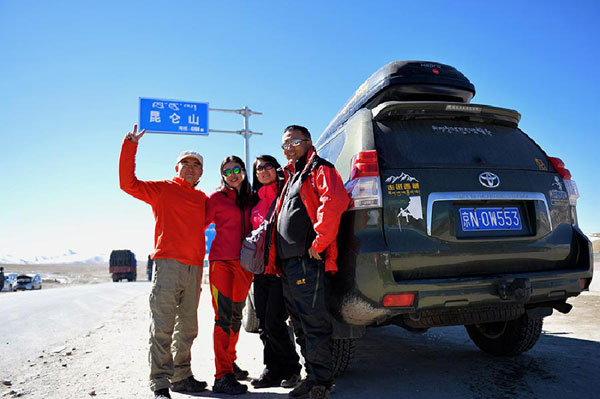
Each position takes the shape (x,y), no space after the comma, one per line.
(443,363)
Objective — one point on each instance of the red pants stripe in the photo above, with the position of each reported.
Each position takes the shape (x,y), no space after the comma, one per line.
(229,285)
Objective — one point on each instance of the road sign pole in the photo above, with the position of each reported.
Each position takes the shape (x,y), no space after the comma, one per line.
(246,133)
(246,138)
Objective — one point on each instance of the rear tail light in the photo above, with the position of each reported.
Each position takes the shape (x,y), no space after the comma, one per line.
(570,185)
(364,185)
(364,164)
(584,283)
(572,190)
(559,166)
(405,299)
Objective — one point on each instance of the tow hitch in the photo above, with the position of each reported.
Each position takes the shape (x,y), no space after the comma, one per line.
(519,290)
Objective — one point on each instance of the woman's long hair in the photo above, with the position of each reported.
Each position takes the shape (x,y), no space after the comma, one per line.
(245,197)
(256,185)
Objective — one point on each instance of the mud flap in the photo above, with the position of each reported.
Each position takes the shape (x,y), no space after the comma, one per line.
(345,330)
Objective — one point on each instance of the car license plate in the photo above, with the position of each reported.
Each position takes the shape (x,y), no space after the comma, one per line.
(484,219)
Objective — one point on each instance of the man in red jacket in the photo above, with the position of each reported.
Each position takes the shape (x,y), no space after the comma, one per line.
(304,249)
(179,209)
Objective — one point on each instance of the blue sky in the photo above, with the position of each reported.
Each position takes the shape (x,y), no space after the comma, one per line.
(72,73)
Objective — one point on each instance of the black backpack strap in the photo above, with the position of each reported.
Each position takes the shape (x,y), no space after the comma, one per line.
(271,209)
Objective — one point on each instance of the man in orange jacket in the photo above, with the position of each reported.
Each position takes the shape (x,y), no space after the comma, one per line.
(179,210)
(303,248)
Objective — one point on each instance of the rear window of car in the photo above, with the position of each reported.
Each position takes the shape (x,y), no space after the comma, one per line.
(443,143)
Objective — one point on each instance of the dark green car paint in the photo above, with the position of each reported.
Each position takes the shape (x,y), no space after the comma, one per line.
(385,251)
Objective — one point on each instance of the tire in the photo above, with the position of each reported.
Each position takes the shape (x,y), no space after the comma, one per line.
(506,338)
(249,319)
(342,353)
(115,279)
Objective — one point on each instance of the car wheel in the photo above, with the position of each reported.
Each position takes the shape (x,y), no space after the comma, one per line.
(249,319)
(506,338)
(342,353)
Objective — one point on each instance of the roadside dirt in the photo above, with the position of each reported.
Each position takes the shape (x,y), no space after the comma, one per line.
(110,361)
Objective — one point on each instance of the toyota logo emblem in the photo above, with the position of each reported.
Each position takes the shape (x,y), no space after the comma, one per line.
(489,180)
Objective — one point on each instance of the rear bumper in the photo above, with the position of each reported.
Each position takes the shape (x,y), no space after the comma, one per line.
(368,278)
(545,287)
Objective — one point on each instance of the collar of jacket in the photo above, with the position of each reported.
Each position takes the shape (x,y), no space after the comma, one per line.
(310,154)
(265,191)
(228,192)
(183,183)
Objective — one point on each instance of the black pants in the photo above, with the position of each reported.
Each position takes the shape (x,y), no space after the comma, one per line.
(279,353)
(304,282)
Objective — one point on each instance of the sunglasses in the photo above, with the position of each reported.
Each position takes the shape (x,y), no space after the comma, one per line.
(265,166)
(236,171)
(292,143)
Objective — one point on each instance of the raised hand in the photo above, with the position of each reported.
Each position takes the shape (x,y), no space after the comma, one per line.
(133,136)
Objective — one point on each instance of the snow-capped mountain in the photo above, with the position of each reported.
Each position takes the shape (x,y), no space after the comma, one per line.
(403,178)
(67,257)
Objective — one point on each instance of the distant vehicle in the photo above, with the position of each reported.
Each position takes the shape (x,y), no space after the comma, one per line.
(10,282)
(28,282)
(122,265)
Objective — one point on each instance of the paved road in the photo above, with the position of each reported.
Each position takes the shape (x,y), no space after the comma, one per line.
(32,321)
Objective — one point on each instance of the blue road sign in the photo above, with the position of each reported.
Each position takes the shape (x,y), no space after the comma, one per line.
(172,116)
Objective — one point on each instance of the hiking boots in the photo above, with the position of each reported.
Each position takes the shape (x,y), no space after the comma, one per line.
(319,392)
(189,385)
(239,373)
(302,390)
(308,390)
(229,385)
(290,381)
(266,380)
(162,394)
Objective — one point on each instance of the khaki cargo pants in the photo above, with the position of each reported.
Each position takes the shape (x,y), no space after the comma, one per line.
(174,321)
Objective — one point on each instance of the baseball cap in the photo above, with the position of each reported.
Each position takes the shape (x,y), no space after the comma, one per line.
(190,154)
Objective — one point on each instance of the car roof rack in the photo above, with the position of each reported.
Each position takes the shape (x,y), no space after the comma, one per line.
(406,81)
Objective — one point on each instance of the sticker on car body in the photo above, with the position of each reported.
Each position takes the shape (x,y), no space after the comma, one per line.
(559,198)
(462,130)
(557,183)
(412,210)
(540,164)
(408,188)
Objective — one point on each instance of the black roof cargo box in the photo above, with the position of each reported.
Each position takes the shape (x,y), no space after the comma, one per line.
(407,81)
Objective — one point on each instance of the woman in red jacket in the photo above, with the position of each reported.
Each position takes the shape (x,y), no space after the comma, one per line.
(282,365)
(229,208)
